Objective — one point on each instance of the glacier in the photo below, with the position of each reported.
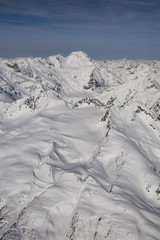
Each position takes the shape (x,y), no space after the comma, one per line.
(79,148)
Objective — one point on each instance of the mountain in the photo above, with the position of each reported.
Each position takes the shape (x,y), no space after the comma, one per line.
(79,148)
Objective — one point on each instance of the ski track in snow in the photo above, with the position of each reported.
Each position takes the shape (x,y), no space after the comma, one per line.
(79,149)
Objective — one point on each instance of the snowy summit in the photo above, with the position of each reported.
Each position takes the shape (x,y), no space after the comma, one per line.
(79,149)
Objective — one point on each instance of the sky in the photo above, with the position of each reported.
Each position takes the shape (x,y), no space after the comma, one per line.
(104,29)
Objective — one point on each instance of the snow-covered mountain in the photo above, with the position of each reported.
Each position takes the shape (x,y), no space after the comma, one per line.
(79,149)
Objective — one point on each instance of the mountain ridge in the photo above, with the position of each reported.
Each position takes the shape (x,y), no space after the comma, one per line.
(79,148)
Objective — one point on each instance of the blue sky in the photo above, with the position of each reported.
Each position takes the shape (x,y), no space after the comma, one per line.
(104,29)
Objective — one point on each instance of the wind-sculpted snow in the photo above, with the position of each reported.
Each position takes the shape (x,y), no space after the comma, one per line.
(79,149)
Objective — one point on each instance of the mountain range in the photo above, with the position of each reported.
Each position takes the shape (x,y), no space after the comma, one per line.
(79,148)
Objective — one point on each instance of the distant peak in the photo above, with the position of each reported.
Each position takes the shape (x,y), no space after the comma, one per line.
(78,58)
(79,54)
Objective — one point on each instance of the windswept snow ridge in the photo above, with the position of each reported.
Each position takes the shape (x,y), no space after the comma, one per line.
(79,149)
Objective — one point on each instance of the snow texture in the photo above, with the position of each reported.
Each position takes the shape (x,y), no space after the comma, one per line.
(79,149)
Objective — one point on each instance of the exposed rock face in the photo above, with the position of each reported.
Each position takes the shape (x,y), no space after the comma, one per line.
(79,149)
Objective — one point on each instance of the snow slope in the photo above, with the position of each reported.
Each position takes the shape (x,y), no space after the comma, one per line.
(79,149)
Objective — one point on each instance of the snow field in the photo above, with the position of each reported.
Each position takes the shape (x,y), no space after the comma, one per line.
(79,163)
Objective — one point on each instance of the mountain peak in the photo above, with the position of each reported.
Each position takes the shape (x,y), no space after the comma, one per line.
(78,58)
(80,54)
(79,147)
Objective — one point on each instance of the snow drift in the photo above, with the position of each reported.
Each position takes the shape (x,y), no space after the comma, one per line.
(79,149)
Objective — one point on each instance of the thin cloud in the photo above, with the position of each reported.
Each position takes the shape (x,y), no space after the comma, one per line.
(71,22)
(90,11)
